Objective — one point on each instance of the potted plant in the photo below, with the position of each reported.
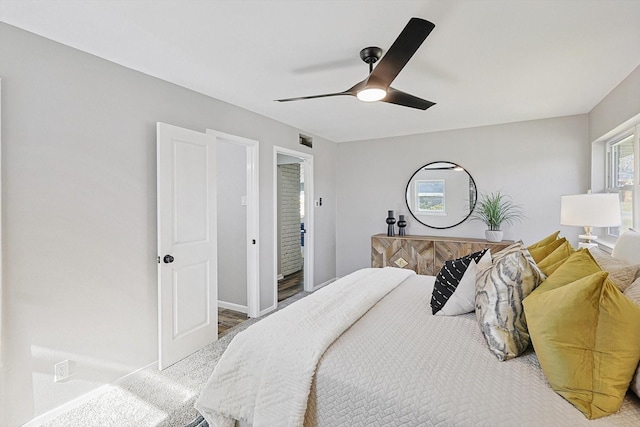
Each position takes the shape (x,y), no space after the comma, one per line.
(495,209)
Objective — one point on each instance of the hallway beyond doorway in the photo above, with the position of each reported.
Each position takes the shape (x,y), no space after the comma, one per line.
(290,285)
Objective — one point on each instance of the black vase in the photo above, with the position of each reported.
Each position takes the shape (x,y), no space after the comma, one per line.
(391,232)
(401,225)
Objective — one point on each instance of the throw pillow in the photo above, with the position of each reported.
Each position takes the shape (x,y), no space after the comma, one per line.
(454,290)
(544,242)
(500,290)
(627,248)
(561,253)
(620,272)
(542,252)
(633,293)
(514,247)
(578,265)
(586,335)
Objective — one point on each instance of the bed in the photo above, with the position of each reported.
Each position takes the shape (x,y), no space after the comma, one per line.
(398,364)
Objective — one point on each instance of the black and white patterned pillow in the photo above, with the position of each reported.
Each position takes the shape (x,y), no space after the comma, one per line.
(454,291)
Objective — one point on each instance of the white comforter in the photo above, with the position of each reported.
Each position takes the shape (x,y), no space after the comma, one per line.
(265,375)
(401,366)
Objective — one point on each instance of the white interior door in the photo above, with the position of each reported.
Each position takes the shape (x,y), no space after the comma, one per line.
(187,244)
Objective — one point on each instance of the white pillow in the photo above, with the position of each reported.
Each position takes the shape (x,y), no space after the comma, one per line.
(627,248)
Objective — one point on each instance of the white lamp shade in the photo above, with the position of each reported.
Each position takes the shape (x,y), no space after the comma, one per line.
(590,210)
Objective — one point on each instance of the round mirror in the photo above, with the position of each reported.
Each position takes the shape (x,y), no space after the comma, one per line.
(441,195)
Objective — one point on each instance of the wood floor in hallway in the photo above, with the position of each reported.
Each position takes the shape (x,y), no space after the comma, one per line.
(287,287)
(227,319)
(290,285)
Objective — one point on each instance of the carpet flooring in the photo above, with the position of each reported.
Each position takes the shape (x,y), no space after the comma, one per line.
(155,398)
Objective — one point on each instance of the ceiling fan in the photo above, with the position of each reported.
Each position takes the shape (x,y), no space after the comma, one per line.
(377,85)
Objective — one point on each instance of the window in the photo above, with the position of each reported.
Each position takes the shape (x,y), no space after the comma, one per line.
(621,177)
(430,196)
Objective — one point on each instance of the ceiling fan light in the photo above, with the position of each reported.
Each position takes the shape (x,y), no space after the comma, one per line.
(371,94)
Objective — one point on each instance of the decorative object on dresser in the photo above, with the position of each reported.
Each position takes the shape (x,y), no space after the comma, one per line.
(441,195)
(390,221)
(401,226)
(425,254)
(495,209)
(588,211)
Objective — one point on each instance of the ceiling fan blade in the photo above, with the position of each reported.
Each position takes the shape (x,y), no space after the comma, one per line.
(398,97)
(325,95)
(400,52)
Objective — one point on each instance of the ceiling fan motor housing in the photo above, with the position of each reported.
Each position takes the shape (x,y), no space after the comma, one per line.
(370,54)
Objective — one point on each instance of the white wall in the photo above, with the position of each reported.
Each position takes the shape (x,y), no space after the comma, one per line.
(535,162)
(79,200)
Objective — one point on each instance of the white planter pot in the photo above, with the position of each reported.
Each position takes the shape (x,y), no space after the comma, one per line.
(493,235)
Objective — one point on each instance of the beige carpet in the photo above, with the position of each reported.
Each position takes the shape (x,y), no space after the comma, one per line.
(156,398)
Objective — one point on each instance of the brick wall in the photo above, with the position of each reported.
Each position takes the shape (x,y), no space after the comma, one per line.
(289,211)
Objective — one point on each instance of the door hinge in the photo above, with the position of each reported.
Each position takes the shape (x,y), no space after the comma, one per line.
(158,259)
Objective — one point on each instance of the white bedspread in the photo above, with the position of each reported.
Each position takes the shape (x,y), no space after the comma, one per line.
(401,366)
(265,375)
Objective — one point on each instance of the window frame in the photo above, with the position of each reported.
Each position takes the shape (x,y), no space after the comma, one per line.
(442,211)
(612,176)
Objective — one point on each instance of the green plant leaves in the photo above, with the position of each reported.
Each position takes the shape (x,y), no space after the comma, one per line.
(495,209)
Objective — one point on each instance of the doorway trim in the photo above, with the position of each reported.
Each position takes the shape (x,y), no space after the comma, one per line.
(307,161)
(253,215)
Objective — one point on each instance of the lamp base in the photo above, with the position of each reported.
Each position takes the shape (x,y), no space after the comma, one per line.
(588,237)
(587,245)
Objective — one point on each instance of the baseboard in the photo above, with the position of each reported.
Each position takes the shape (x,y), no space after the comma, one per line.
(81,400)
(267,310)
(233,306)
(322,285)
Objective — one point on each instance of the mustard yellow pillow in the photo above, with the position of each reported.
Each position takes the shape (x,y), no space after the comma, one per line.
(553,267)
(562,252)
(578,265)
(544,242)
(586,335)
(541,252)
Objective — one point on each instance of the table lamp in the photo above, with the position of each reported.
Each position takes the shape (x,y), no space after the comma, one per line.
(590,210)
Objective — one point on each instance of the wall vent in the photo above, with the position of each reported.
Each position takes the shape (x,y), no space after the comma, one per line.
(305,140)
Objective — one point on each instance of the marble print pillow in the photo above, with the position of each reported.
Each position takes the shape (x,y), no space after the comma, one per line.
(500,290)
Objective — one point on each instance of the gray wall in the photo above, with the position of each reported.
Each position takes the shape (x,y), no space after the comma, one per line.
(619,106)
(79,220)
(535,162)
(232,224)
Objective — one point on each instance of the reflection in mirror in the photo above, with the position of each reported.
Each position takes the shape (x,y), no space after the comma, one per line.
(441,195)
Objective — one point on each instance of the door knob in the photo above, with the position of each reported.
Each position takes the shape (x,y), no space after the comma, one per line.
(168,259)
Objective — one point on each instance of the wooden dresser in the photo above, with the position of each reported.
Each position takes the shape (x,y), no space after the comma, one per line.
(425,254)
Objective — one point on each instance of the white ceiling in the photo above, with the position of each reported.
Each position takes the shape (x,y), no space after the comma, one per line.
(486,62)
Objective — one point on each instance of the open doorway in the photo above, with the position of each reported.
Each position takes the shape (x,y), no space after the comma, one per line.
(237,213)
(291,228)
(293,201)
